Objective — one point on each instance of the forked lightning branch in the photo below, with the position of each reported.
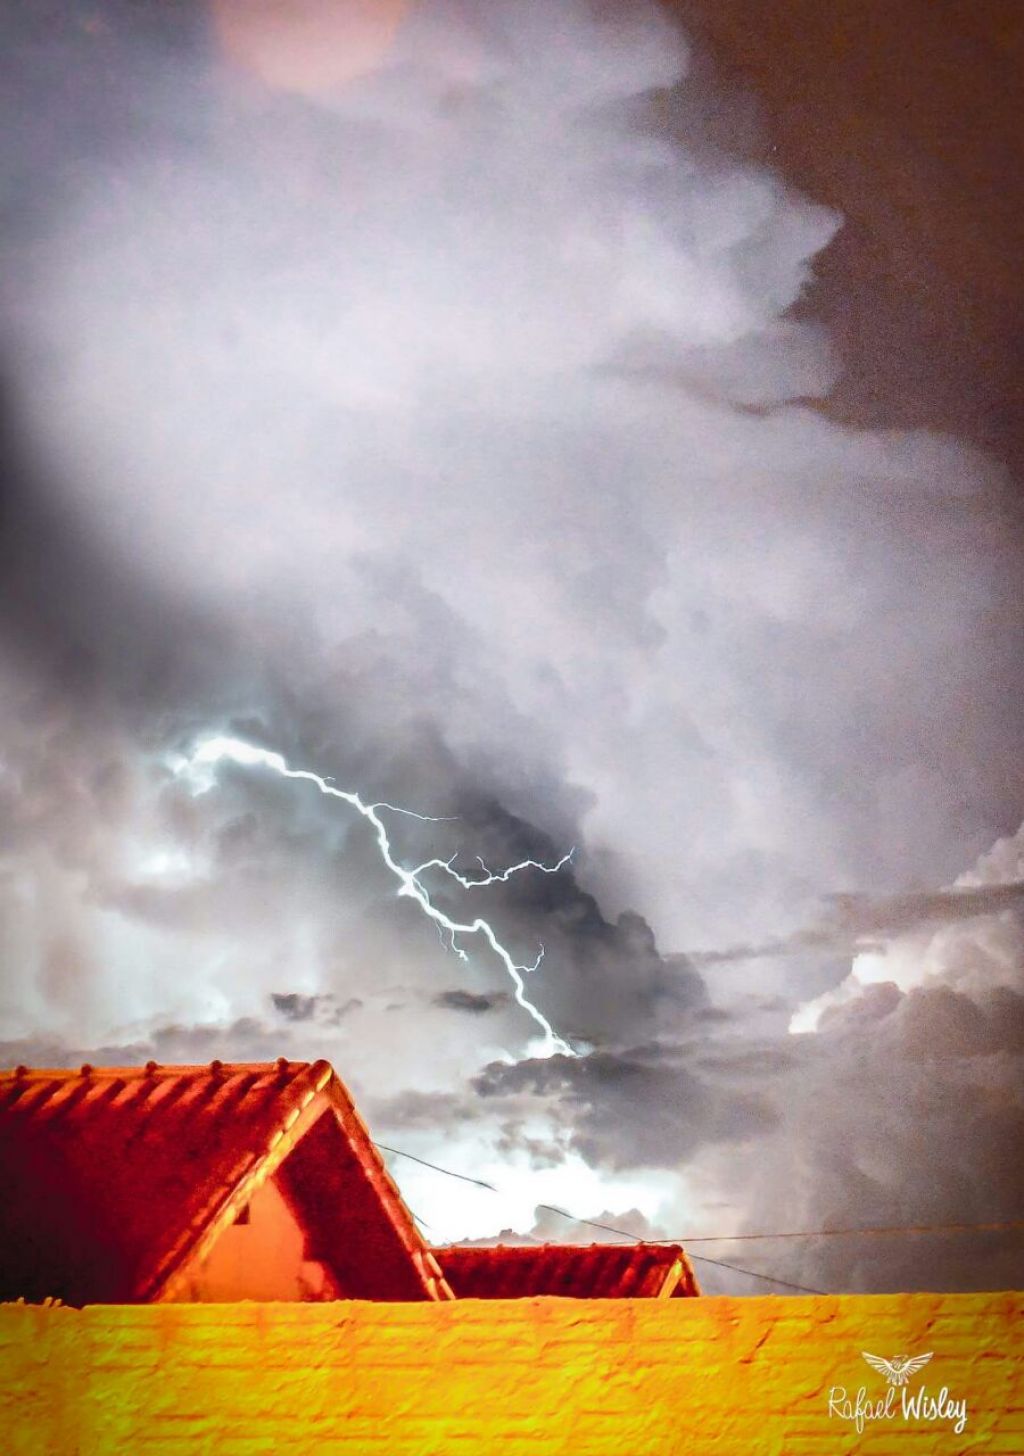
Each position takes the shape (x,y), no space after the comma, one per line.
(199,769)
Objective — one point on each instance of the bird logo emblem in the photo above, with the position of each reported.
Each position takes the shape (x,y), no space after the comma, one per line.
(898,1370)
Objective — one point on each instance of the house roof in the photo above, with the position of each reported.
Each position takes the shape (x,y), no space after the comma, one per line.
(595,1271)
(114,1179)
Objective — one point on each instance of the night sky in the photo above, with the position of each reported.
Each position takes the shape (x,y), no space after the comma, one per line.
(597,427)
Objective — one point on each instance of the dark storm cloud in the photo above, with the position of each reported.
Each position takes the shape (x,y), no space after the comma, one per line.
(476,1005)
(900,1111)
(932,1024)
(903,1117)
(896,914)
(609,973)
(326,1009)
(78,614)
(642,1107)
(462,437)
(922,294)
(245,1040)
(294,1007)
(858,919)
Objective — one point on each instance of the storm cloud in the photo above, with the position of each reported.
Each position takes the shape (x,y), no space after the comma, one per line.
(460,429)
(863,919)
(459,1000)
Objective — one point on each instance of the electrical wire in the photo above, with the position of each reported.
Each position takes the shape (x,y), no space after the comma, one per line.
(826,1233)
(908,1228)
(753,1274)
(697,1258)
(383,1147)
(886,1229)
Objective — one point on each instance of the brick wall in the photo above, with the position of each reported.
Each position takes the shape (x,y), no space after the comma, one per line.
(523,1378)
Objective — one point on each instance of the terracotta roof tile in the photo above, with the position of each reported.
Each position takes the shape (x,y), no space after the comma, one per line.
(595,1271)
(113,1177)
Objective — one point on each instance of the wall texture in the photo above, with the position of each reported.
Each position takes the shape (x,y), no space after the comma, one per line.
(529,1376)
(263,1258)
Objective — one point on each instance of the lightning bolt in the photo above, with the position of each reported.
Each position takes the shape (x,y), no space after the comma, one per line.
(199,767)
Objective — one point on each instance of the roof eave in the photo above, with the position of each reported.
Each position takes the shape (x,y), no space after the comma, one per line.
(325,1091)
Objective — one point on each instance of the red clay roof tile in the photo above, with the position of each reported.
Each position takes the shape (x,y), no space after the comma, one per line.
(595,1271)
(112,1177)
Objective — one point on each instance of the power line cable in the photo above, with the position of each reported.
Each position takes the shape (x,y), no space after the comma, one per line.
(383,1147)
(885,1229)
(753,1274)
(697,1258)
(910,1228)
(1000,1226)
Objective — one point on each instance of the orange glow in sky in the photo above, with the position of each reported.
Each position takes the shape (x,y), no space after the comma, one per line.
(309,46)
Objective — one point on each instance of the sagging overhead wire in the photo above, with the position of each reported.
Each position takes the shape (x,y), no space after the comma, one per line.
(464,1177)
(688,1239)
(698,1258)
(824,1233)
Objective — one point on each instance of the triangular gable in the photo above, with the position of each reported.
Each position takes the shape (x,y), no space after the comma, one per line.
(117,1180)
(263,1255)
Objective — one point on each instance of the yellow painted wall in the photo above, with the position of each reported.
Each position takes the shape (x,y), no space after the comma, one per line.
(518,1378)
